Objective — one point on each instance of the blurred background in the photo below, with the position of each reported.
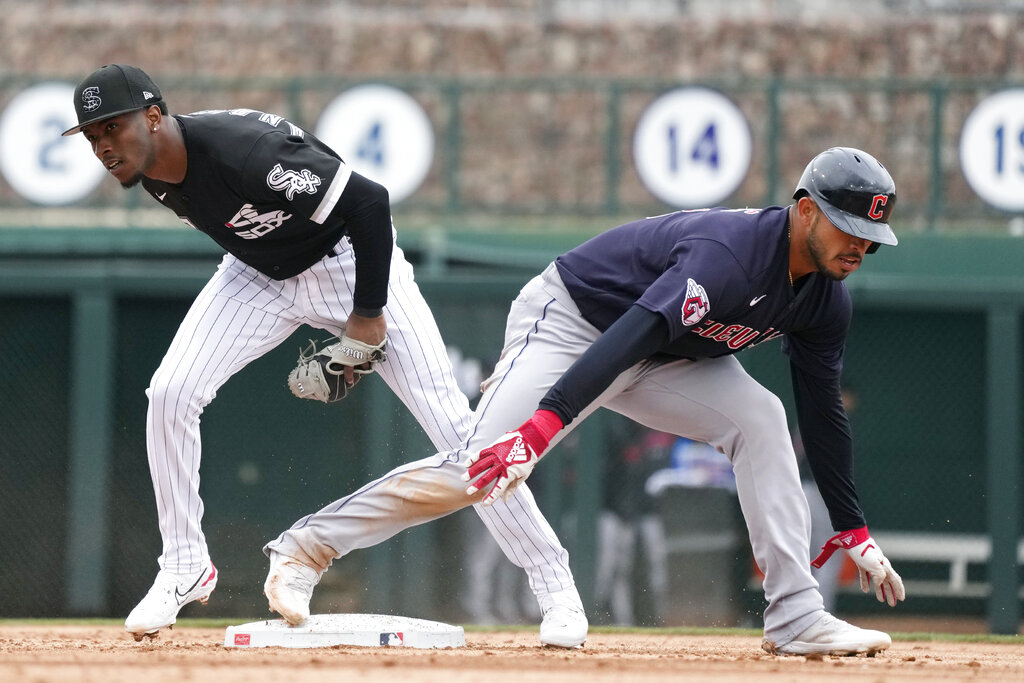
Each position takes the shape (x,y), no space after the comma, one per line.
(507,132)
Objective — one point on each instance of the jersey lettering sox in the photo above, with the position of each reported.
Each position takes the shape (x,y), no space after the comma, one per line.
(293,182)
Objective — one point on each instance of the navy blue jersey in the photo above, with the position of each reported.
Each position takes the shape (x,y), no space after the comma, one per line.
(277,198)
(719,278)
(702,284)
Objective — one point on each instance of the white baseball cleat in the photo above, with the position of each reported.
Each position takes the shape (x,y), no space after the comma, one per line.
(170,592)
(564,627)
(289,587)
(565,621)
(831,636)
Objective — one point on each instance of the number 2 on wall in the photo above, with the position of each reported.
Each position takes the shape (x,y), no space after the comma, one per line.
(49,156)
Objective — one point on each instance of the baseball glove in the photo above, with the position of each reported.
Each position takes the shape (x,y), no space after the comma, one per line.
(320,373)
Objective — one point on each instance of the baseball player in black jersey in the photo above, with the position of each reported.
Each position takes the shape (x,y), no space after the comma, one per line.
(645,320)
(308,241)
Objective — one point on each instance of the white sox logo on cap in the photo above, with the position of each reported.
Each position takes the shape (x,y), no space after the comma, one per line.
(125,89)
(91,98)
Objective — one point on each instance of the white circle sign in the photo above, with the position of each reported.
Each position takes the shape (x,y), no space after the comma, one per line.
(383,134)
(992,150)
(39,164)
(692,147)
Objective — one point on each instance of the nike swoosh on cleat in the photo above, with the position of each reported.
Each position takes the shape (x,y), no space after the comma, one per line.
(161,196)
(212,576)
(179,596)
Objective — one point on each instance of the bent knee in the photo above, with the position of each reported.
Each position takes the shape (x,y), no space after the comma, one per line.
(766,412)
(759,422)
(177,388)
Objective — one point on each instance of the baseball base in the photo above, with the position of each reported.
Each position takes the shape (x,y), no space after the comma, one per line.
(365,630)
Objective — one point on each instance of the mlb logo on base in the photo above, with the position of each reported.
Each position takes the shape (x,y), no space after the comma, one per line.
(392,639)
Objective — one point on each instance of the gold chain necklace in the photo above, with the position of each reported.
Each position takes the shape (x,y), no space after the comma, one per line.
(789,238)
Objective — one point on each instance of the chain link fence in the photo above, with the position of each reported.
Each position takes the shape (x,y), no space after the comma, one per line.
(919,427)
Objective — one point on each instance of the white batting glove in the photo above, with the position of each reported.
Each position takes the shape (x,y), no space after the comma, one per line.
(872,565)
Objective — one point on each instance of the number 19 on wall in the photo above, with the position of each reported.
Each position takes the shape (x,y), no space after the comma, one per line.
(992,150)
(1001,151)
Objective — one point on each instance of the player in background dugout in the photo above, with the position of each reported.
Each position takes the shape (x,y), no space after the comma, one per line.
(644,319)
(310,242)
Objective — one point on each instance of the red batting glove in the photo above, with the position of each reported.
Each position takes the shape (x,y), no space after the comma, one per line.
(872,565)
(508,461)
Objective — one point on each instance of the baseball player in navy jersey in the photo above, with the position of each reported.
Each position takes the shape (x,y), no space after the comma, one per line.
(645,320)
(308,241)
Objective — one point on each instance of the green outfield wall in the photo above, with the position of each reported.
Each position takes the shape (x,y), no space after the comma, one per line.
(935,358)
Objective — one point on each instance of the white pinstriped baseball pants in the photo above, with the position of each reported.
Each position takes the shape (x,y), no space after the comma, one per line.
(712,400)
(239,316)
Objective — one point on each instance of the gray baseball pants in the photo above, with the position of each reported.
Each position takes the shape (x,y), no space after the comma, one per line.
(710,400)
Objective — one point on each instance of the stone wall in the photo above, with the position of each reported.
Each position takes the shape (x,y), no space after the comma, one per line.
(544,148)
(516,37)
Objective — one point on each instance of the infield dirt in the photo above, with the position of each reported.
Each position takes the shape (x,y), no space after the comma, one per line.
(40,654)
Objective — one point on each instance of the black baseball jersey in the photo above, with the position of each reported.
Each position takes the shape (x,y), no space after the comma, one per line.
(278,198)
(707,283)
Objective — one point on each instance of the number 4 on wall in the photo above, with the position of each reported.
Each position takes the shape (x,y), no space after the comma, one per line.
(371,148)
(383,133)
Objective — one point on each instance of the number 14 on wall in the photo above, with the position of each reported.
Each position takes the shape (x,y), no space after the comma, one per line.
(691,148)
(704,151)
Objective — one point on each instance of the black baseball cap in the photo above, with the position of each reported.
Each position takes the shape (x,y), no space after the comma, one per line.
(112,90)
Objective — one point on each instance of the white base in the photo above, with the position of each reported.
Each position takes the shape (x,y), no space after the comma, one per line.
(327,630)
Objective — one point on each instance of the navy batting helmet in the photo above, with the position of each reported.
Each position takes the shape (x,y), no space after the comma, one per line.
(854,191)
